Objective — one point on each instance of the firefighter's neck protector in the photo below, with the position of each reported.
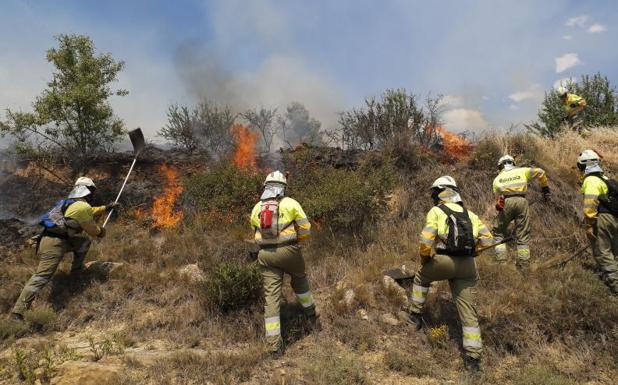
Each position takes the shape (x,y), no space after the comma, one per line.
(79,192)
(592,168)
(508,166)
(273,191)
(445,195)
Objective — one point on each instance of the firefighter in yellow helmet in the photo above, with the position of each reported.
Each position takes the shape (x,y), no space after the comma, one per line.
(63,231)
(510,187)
(454,232)
(280,224)
(601,216)
(573,106)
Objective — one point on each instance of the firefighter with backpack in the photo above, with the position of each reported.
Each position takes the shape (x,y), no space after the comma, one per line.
(600,215)
(280,224)
(454,232)
(510,187)
(63,231)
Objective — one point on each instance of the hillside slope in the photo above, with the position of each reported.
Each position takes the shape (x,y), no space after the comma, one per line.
(152,315)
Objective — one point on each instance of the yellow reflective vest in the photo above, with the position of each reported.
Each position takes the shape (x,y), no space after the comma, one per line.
(84,214)
(515,181)
(573,101)
(293,224)
(435,231)
(592,187)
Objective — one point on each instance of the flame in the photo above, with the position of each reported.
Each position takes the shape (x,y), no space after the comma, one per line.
(245,155)
(455,146)
(162,211)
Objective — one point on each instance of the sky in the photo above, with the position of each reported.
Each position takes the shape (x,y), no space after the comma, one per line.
(492,60)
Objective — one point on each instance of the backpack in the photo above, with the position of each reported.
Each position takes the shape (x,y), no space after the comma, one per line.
(609,202)
(460,241)
(54,218)
(269,219)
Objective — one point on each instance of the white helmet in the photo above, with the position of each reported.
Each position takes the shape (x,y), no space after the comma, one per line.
(588,156)
(562,91)
(443,182)
(276,177)
(84,181)
(506,159)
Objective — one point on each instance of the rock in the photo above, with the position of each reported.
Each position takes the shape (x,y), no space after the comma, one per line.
(102,268)
(389,319)
(88,373)
(362,314)
(391,286)
(403,316)
(192,273)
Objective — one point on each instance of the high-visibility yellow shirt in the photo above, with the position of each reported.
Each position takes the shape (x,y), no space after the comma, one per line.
(573,101)
(515,181)
(435,231)
(293,224)
(84,215)
(592,187)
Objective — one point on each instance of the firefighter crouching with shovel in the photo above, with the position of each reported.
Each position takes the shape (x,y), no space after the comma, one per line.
(280,224)
(455,231)
(63,231)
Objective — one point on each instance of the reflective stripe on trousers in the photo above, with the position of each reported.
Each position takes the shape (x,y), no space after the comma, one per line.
(272,326)
(472,337)
(419,294)
(305,299)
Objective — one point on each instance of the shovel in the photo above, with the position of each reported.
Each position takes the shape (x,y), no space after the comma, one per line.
(137,140)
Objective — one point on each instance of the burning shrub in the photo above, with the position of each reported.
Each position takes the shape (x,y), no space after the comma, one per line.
(233,286)
(226,193)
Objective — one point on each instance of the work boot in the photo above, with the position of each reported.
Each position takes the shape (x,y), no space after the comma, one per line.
(416,320)
(16,317)
(276,354)
(314,323)
(472,365)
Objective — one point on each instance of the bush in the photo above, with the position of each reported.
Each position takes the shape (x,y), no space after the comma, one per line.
(408,363)
(225,193)
(41,318)
(334,366)
(233,286)
(536,375)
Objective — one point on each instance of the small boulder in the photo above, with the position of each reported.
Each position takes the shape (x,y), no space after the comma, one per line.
(389,319)
(192,273)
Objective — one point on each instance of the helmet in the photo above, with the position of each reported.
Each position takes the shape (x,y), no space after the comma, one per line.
(562,91)
(84,181)
(506,159)
(588,156)
(443,182)
(276,177)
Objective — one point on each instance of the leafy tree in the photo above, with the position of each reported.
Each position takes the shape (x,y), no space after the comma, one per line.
(71,119)
(262,121)
(397,117)
(297,126)
(181,128)
(601,108)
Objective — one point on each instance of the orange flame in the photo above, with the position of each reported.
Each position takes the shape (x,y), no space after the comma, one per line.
(245,155)
(162,212)
(455,146)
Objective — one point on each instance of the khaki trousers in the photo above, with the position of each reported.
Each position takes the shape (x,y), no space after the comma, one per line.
(273,263)
(462,277)
(515,209)
(605,249)
(51,250)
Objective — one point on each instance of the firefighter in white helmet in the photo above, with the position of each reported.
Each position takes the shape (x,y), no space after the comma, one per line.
(573,107)
(601,215)
(454,233)
(63,231)
(280,225)
(510,187)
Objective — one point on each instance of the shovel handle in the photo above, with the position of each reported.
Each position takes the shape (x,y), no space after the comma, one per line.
(120,192)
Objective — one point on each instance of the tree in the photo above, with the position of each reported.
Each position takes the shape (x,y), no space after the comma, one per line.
(71,119)
(396,118)
(181,128)
(297,126)
(262,121)
(601,108)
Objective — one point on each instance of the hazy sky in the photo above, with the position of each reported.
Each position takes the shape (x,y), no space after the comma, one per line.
(492,59)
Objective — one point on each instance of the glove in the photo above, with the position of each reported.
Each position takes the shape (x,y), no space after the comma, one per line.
(590,233)
(500,203)
(102,233)
(112,205)
(546,194)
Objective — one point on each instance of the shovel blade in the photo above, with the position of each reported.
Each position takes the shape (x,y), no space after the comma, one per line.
(137,140)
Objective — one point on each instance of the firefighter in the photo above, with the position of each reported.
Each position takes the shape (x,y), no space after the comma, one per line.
(454,232)
(280,225)
(573,106)
(63,231)
(600,215)
(510,187)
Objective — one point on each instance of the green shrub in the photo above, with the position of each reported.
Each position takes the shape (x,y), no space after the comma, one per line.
(537,375)
(486,154)
(12,329)
(334,366)
(226,193)
(41,319)
(233,286)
